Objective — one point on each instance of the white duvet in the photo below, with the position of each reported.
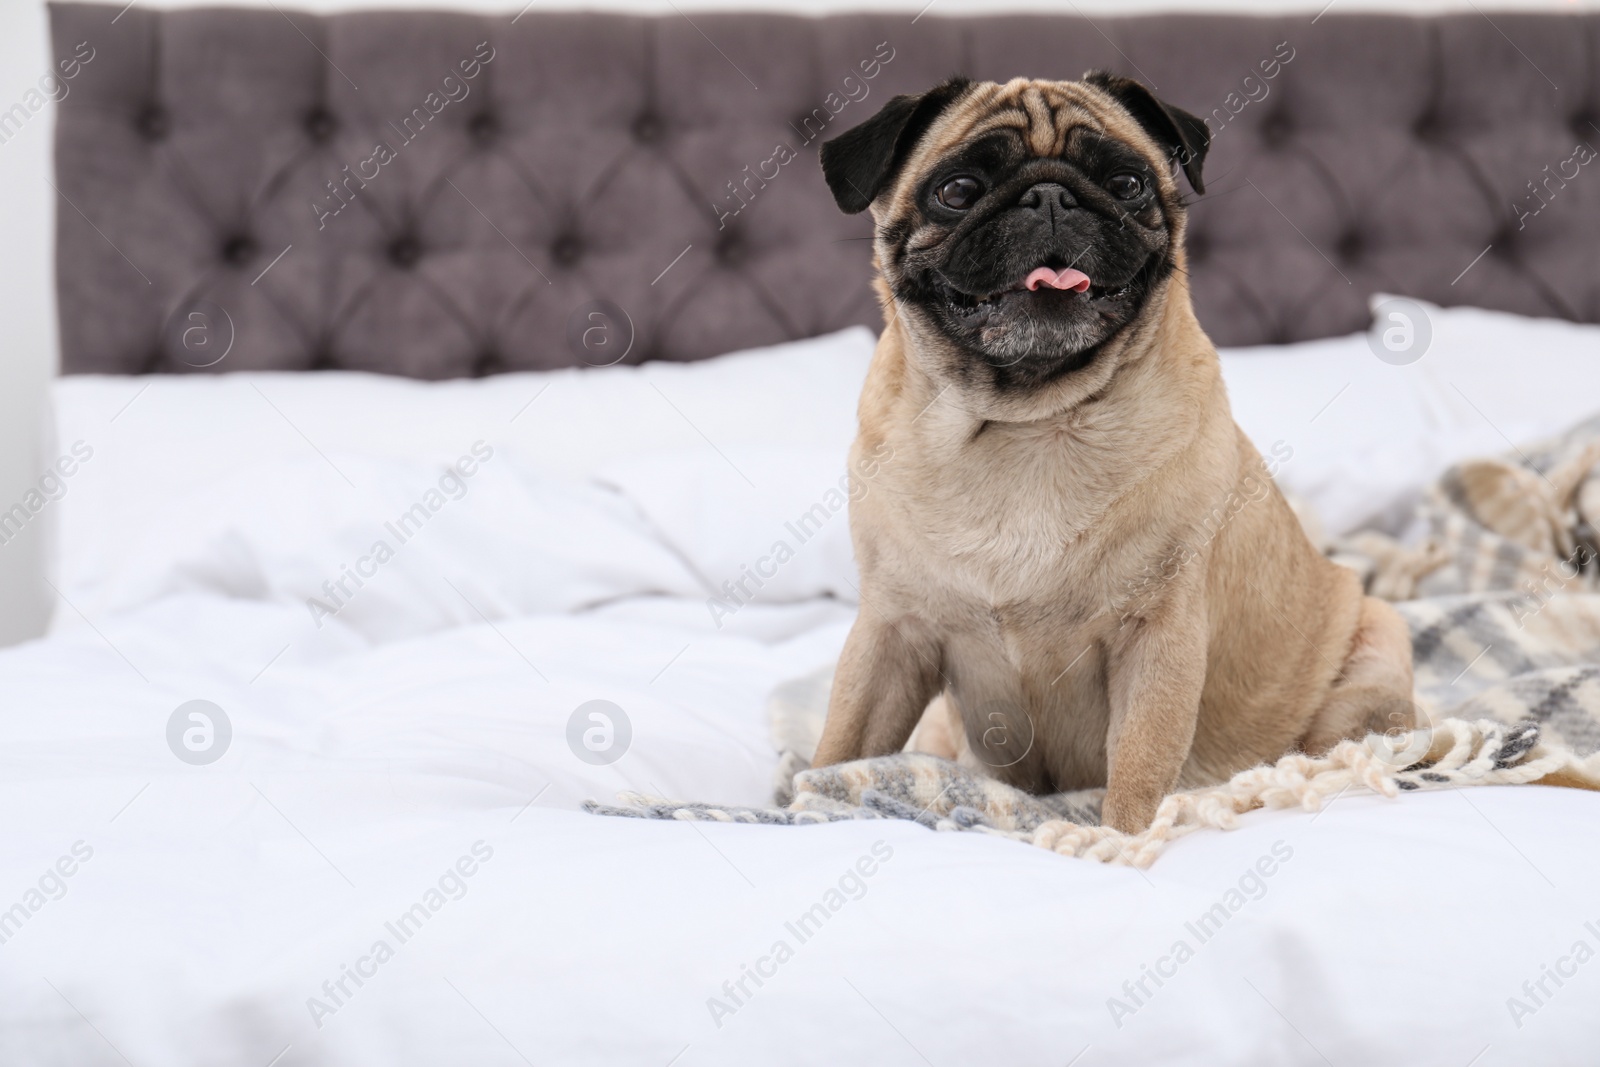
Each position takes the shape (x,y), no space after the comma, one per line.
(367,848)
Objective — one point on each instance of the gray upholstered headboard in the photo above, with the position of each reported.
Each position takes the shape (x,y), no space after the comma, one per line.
(561,188)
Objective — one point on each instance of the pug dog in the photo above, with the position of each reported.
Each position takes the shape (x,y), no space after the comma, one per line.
(1076,554)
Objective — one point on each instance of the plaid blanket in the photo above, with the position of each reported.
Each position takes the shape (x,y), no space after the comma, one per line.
(1502,596)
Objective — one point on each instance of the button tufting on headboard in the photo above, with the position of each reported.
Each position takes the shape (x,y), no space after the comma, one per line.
(483,127)
(152,122)
(439,195)
(320,124)
(648,128)
(404,251)
(238,250)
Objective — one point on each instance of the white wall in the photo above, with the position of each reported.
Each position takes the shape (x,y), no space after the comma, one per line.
(937,7)
(27,312)
(27,206)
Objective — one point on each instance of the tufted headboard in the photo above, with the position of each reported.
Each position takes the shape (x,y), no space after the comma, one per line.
(442,195)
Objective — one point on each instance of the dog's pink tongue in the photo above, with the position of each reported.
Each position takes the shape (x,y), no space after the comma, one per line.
(1067,278)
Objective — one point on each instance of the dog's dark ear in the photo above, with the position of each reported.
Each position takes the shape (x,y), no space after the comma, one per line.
(1183,135)
(860,162)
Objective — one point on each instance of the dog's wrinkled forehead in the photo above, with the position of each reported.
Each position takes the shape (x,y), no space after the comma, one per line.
(886,155)
(1041,113)
(1044,112)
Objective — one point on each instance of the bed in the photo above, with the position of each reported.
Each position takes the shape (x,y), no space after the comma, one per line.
(372,491)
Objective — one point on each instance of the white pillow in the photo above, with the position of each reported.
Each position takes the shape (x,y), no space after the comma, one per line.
(159,443)
(1365,435)
(761,525)
(402,549)
(1522,377)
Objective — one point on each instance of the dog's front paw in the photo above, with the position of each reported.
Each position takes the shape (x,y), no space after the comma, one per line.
(1130,814)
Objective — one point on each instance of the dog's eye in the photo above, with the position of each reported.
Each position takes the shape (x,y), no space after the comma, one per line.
(960,193)
(1125,186)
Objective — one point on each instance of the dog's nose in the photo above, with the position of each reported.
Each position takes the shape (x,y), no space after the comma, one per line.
(1049,199)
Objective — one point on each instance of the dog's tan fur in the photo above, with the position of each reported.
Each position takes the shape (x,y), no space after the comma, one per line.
(1005,554)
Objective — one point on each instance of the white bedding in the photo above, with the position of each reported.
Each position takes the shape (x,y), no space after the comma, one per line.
(419,732)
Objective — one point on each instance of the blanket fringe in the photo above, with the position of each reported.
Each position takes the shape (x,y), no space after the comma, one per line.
(1459,753)
(1448,754)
